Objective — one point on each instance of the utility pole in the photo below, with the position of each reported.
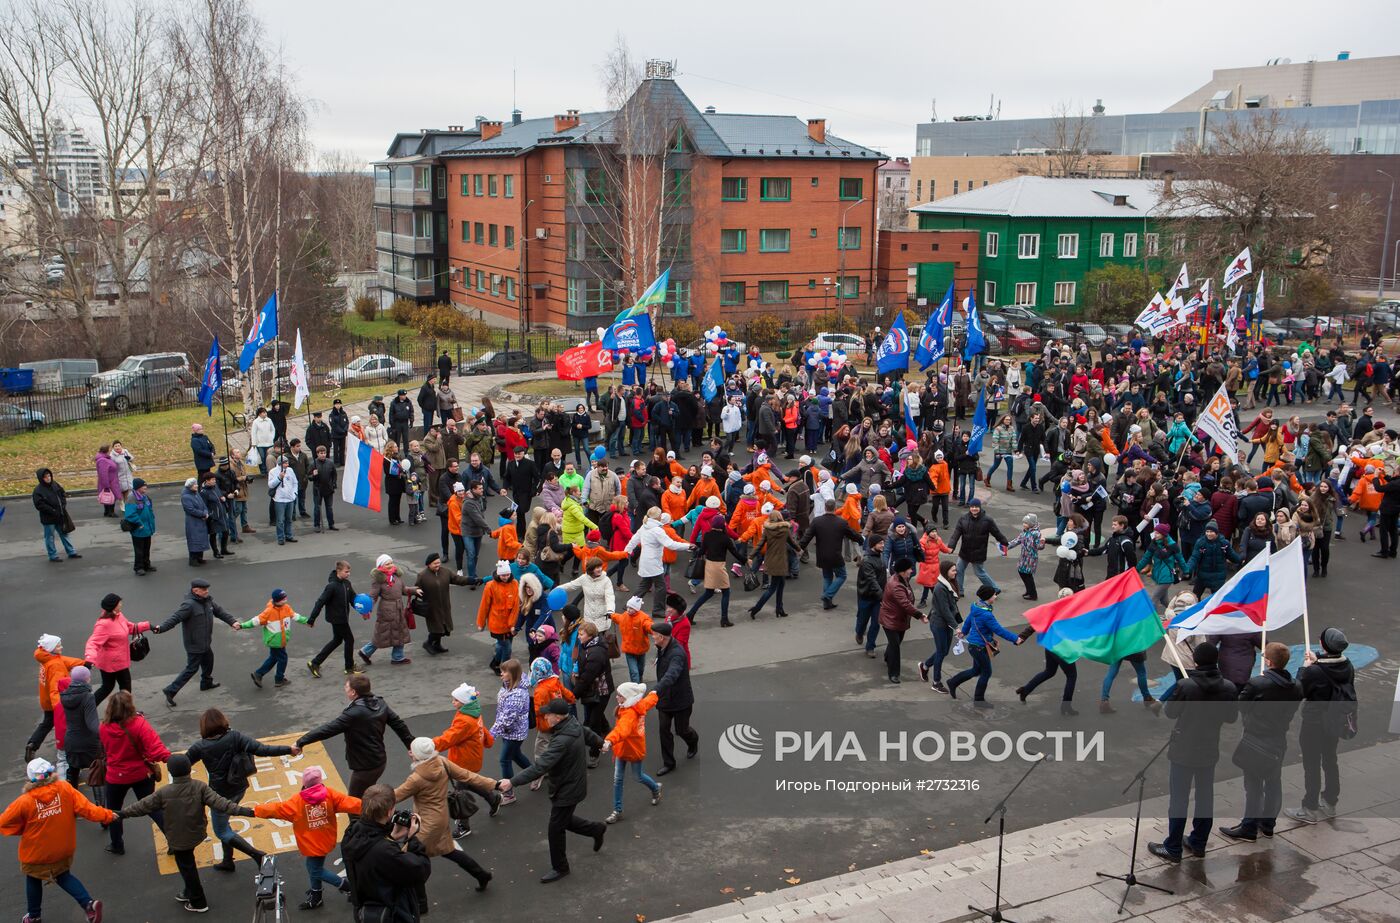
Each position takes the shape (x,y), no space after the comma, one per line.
(841,252)
(1385,240)
(153,254)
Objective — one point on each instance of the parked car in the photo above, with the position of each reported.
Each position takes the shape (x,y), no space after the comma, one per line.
(1298,326)
(1120,330)
(233,379)
(1273,331)
(16,419)
(501,360)
(850,343)
(374,367)
(1021,314)
(1056,336)
(1092,334)
(143,381)
(1020,341)
(995,323)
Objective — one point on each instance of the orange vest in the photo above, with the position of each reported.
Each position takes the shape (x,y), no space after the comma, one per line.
(315,826)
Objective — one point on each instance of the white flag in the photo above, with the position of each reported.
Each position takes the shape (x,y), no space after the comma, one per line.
(1259,296)
(298,374)
(1207,293)
(1237,270)
(1231,335)
(1183,280)
(1217,420)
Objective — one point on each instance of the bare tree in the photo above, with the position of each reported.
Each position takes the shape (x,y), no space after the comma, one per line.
(1067,142)
(1266,185)
(342,193)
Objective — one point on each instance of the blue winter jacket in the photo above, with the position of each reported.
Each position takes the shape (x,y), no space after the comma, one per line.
(981,624)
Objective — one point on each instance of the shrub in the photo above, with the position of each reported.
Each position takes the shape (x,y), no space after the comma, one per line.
(403,311)
(834,323)
(366,307)
(680,329)
(444,322)
(766,329)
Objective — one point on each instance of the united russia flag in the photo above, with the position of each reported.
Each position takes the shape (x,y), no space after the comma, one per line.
(363,476)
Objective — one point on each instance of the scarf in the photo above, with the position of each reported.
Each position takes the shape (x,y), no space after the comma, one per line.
(315,794)
(389,571)
(540,670)
(471,709)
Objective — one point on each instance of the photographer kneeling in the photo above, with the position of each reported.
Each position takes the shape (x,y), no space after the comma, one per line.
(384,861)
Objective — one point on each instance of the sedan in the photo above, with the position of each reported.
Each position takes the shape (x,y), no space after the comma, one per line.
(1020,341)
(1273,331)
(1120,330)
(1017,313)
(1299,326)
(850,343)
(17,419)
(377,367)
(1056,336)
(504,360)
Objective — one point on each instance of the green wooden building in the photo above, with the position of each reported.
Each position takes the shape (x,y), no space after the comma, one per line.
(1039,236)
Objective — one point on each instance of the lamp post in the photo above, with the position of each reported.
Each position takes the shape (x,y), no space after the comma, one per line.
(841,253)
(1385,239)
(522,271)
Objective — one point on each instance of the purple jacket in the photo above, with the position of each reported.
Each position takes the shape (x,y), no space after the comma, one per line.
(107,474)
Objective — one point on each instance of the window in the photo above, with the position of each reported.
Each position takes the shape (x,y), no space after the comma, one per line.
(575,296)
(476,184)
(510,237)
(423,225)
(492,237)
(678,188)
(775,189)
(480,281)
(918,190)
(930,189)
(1105,245)
(731,293)
(1179,245)
(440,182)
(466,232)
(774,240)
(574,237)
(1130,245)
(508,186)
(595,186)
(675,243)
(491,185)
(677,303)
(681,144)
(1064,293)
(814,182)
(1282,285)
(848,287)
(1028,247)
(733,240)
(773,292)
(479,233)
(466,184)
(851,190)
(510,288)
(955,187)
(1069,246)
(993,243)
(848,238)
(495,284)
(984,183)
(592,296)
(1153,244)
(1025,293)
(733,189)
(989,293)
(422,177)
(812,233)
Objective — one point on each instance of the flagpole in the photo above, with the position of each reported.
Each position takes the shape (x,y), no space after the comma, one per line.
(1176,654)
(1263,643)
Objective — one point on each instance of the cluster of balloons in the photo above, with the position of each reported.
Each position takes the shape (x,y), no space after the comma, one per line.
(831,358)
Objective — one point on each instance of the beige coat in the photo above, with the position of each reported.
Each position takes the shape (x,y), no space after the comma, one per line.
(427,785)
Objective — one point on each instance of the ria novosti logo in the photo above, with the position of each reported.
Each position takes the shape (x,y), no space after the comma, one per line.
(740,746)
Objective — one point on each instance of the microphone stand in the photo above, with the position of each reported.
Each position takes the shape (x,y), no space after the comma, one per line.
(1131,879)
(999,812)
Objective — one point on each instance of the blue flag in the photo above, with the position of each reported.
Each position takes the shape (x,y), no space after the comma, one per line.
(976,342)
(979,424)
(713,384)
(631,333)
(931,340)
(893,353)
(212,379)
(263,332)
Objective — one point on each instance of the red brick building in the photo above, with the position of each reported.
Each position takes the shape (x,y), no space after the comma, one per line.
(913,268)
(553,221)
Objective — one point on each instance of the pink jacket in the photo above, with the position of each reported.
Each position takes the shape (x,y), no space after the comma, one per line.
(107,478)
(127,763)
(109,647)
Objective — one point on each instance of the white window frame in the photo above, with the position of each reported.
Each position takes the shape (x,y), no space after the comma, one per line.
(993,244)
(1130,245)
(1068,247)
(1028,247)
(1106,245)
(1025,287)
(989,293)
(1068,290)
(1179,245)
(1152,244)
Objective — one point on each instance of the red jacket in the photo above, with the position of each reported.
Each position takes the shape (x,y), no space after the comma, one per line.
(109,646)
(680,633)
(128,747)
(622,531)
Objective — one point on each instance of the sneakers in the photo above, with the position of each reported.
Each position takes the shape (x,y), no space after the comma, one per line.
(460,830)
(257,680)
(508,798)
(1329,809)
(613,818)
(1306,815)
(279,683)
(169,698)
(351,671)
(937,686)
(94,908)
(313,900)
(315,669)
(656,795)
(923,672)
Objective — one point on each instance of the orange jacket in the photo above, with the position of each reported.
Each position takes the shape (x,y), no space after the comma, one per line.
(52,668)
(629,735)
(704,489)
(546,691)
(753,532)
(44,817)
(850,511)
(314,824)
(764,496)
(584,553)
(763,473)
(744,510)
(633,629)
(507,542)
(500,604)
(1276,472)
(1106,440)
(465,740)
(454,514)
(938,477)
(677,469)
(1365,497)
(674,504)
(928,568)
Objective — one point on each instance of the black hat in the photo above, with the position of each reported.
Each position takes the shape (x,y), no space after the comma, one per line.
(553,707)
(179,764)
(138,483)
(1334,641)
(315,413)
(675,601)
(1213,526)
(402,392)
(985,593)
(431,558)
(1206,654)
(335,402)
(109,602)
(661,628)
(904,564)
(199,584)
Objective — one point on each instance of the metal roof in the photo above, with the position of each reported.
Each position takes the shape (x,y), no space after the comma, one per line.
(1055,197)
(779,136)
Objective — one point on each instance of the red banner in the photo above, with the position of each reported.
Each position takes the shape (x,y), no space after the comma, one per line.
(588,361)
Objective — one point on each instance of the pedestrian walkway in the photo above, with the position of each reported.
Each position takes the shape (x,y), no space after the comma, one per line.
(1341,870)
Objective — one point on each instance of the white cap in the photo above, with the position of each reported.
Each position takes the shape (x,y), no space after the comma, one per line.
(706,471)
(767,508)
(937,454)
(631,693)
(712,502)
(38,769)
(382,560)
(503,568)
(805,460)
(1134,429)
(635,602)
(421,750)
(50,643)
(671,456)
(852,489)
(1106,418)
(465,693)
(458,487)
(766,484)
(825,475)
(748,489)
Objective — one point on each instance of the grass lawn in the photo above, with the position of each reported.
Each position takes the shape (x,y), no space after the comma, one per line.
(160,443)
(551,387)
(382,327)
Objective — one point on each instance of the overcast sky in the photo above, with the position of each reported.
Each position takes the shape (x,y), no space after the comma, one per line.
(872,70)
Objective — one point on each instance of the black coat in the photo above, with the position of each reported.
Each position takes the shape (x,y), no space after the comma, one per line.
(81,742)
(383,871)
(870,577)
(565,761)
(673,679)
(1201,703)
(196,620)
(1273,699)
(317,434)
(829,529)
(362,723)
(50,499)
(224,759)
(337,599)
(1121,548)
(340,423)
(427,400)
(1317,681)
(973,533)
(522,478)
(326,478)
(400,413)
(594,680)
(945,608)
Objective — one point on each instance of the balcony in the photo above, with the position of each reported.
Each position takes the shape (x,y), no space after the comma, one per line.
(403,285)
(386,195)
(403,243)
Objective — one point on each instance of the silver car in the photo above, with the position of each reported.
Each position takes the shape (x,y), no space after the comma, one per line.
(375,367)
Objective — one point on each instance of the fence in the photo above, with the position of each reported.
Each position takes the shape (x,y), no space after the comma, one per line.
(395,362)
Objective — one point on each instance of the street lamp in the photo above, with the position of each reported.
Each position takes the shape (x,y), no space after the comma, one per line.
(841,248)
(1385,240)
(522,271)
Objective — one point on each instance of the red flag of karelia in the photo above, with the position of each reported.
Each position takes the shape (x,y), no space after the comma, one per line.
(1105,622)
(587,361)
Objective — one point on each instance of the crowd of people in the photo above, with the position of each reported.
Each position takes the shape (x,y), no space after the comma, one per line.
(812,465)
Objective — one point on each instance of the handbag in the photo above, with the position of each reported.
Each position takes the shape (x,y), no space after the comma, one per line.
(460,804)
(97,773)
(751,579)
(457,415)
(140,646)
(69,527)
(129,525)
(106,497)
(1252,756)
(613,644)
(695,570)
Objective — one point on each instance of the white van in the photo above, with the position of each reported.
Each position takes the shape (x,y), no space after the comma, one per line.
(61,374)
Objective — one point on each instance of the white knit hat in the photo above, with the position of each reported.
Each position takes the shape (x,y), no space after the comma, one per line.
(38,769)
(748,489)
(50,643)
(706,471)
(382,560)
(712,502)
(766,484)
(635,603)
(852,489)
(631,693)
(465,693)
(421,750)
(503,568)
(767,508)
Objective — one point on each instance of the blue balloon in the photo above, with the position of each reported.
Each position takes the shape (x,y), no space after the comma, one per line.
(557,598)
(363,604)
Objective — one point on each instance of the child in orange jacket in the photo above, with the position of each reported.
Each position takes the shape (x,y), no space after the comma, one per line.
(500,612)
(674,501)
(276,620)
(465,742)
(312,812)
(595,549)
(545,687)
(628,743)
(704,488)
(44,817)
(634,636)
(507,539)
(53,666)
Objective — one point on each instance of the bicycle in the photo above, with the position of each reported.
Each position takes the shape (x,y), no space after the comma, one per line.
(269,904)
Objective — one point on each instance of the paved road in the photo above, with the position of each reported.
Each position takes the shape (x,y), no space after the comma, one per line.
(714,830)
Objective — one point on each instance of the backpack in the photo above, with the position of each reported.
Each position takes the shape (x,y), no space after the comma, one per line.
(1340,719)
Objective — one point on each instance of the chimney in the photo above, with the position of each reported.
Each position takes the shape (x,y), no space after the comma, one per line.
(454,127)
(566,121)
(515,116)
(1167,177)
(489,129)
(816,130)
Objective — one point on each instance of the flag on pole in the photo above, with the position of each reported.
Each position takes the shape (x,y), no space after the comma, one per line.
(653,297)
(931,347)
(976,343)
(1105,622)
(264,331)
(212,379)
(1217,419)
(298,375)
(1239,268)
(1207,291)
(713,384)
(1183,281)
(979,424)
(1259,296)
(363,477)
(632,333)
(1157,317)
(911,429)
(1232,314)
(893,353)
(1267,593)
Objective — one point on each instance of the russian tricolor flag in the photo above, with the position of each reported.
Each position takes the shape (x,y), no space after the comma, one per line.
(364,474)
(1264,595)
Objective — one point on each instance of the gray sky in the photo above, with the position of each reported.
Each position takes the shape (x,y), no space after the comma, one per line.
(373,68)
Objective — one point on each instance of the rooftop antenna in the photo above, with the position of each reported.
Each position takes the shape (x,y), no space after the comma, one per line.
(934,106)
(512,86)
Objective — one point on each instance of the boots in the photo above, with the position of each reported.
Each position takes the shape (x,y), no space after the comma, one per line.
(237,842)
(223,545)
(1105,708)
(249,530)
